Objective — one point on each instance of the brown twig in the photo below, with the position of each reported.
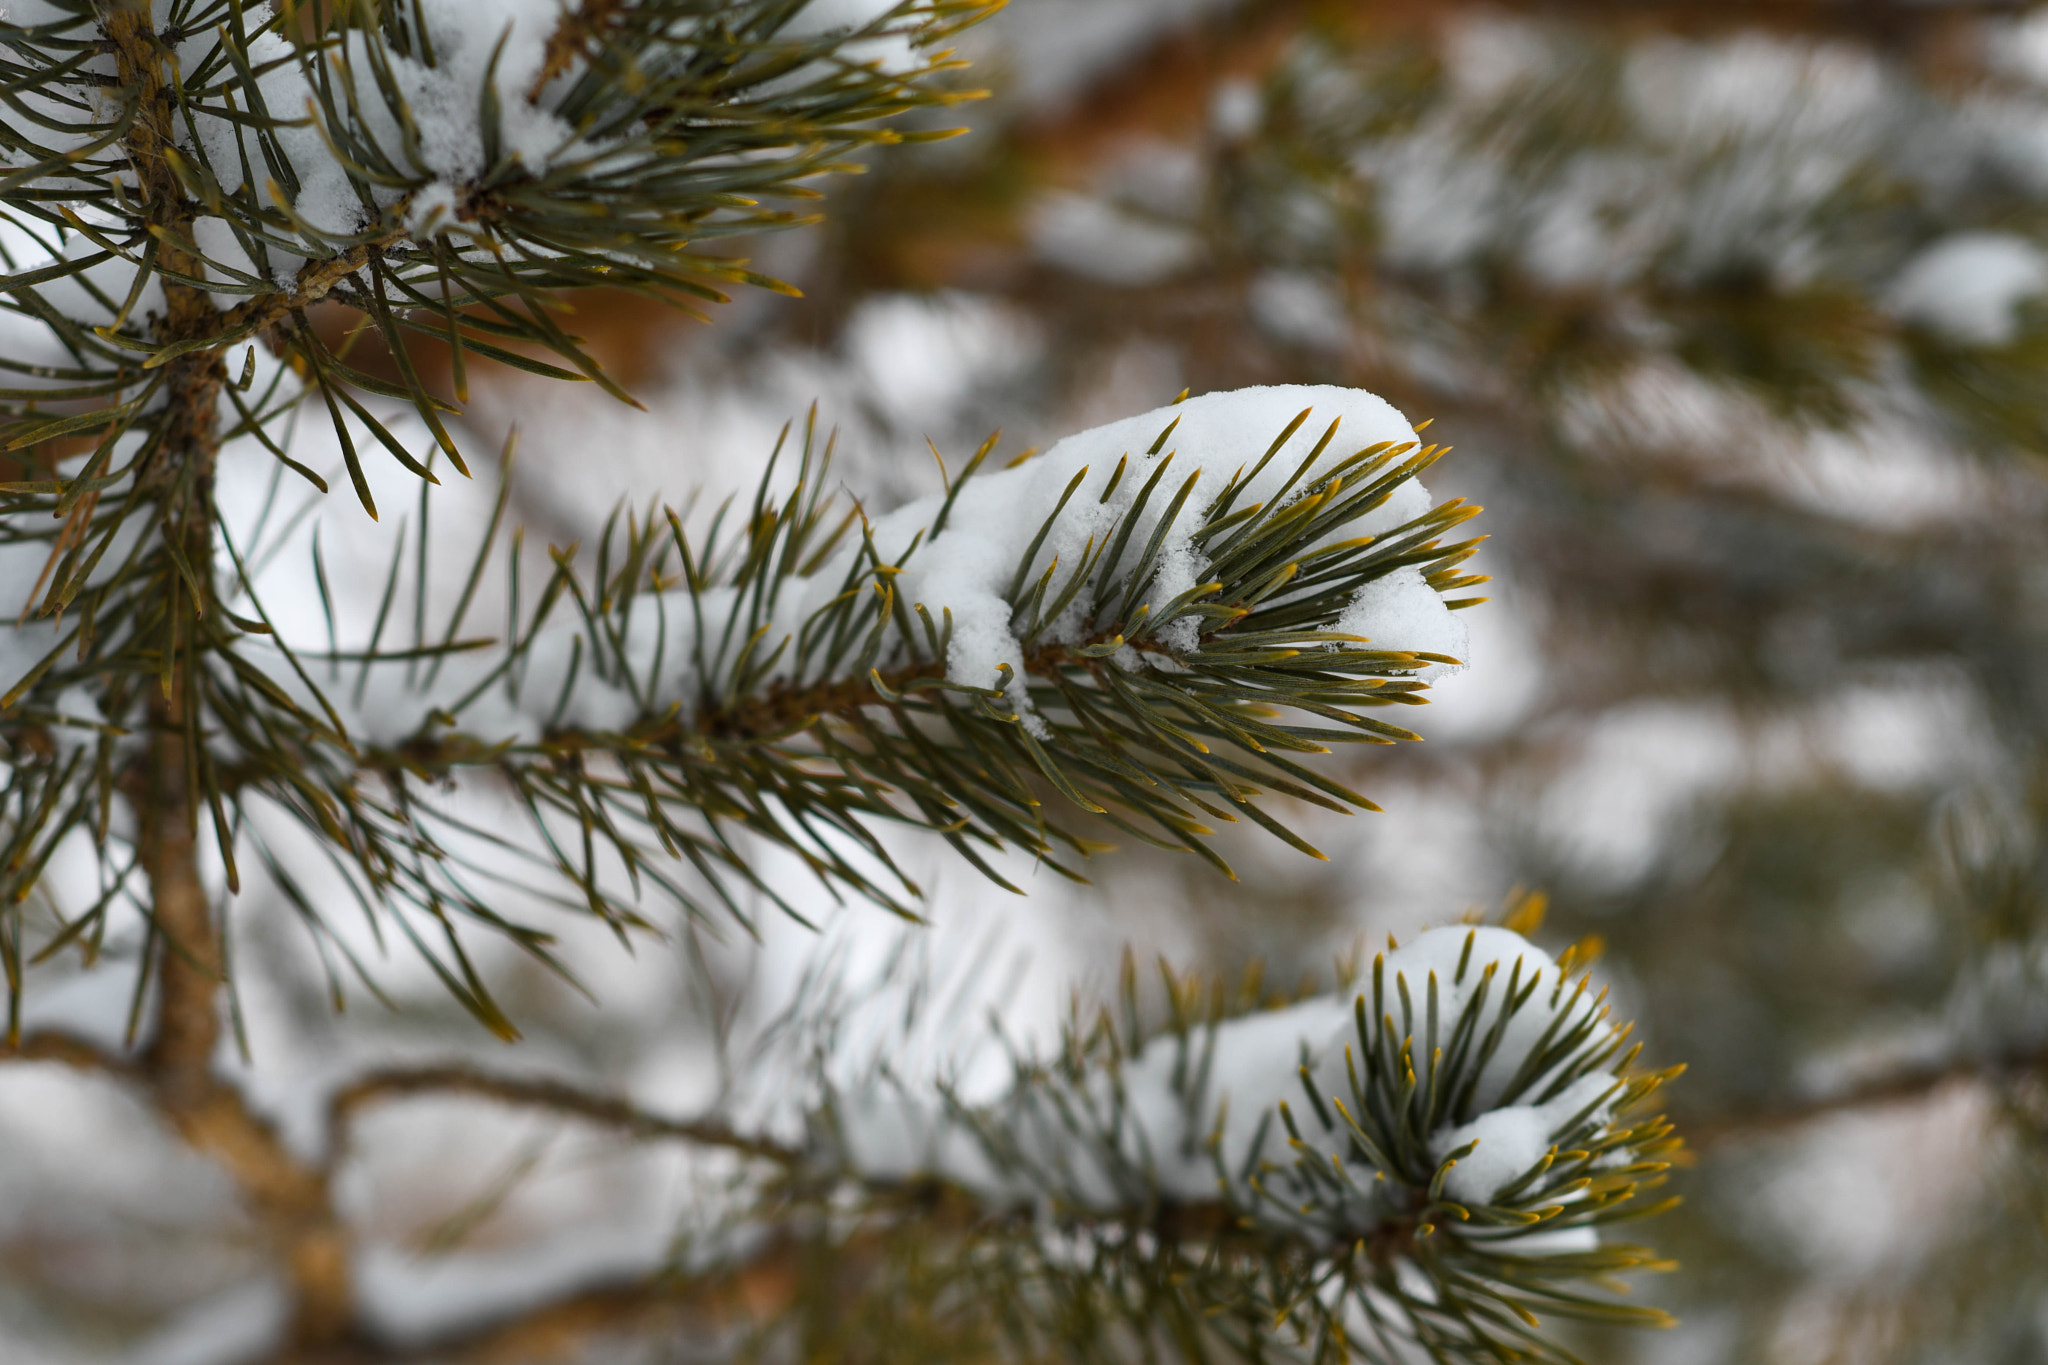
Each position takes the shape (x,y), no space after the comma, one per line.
(577,29)
(163,786)
(1906,1086)
(779,712)
(68,1049)
(765,1285)
(314,282)
(1167,89)
(554,1096)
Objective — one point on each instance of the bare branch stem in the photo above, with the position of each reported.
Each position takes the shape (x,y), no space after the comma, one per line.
(1901,1087)
(55,1045)
(164,786)
(554,1096)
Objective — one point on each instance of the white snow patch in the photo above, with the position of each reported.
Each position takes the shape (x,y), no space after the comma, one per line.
(1401,611)
(1440,203)
(1236,109)
(2022,48)
(1968,286)
(1918,728)
(1303,309)
(1100,241)
(923,356)
(226,261)
(1056,49)
(245,1322)
(1871,1189)
(412,1299)
(1512,1139)
(1641,767)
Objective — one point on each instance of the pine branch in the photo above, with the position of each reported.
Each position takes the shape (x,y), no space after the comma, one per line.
(577,33)
(1909,1085)
(200,183)
(553,1096)
(1425,1157)
(1347,107)
(150,173)
(810,674)
(54,1045)
(1154,627)
(1161,1254)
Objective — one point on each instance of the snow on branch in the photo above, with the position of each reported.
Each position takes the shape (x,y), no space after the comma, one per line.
(1145,543)
(1447,1137)
(1160,622)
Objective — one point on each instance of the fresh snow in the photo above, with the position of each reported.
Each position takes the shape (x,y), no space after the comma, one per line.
(447,142)
(1513,1138)
(967,567)
(1402,607)
(1301,308)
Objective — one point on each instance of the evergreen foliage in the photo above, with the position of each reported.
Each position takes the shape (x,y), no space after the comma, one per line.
(639,135)
(208,203)
(1737,315)
(1737,310)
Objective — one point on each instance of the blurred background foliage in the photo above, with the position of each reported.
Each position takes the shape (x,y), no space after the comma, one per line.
(1737,316)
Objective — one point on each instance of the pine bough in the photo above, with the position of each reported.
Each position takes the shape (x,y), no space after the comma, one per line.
(1418,1166)
(1149,629)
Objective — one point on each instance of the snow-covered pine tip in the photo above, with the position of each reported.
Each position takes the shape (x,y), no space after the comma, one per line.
(1442,1142)
(1160,619)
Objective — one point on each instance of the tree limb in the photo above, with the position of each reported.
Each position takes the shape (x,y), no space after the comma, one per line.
(554,1096)
(55,1045)
(1905,1086)
(166,785)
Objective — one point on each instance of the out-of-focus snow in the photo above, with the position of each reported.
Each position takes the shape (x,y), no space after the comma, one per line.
(921,358)
(241,1323)
(1304,309)
(1921,728)
(132,1232)
(580,1211)
(2022,48)
(1969,286)
(1885,471)
(1236,109)
(1872,1189)
(1053,50)
(1101,241)
(1638,770)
